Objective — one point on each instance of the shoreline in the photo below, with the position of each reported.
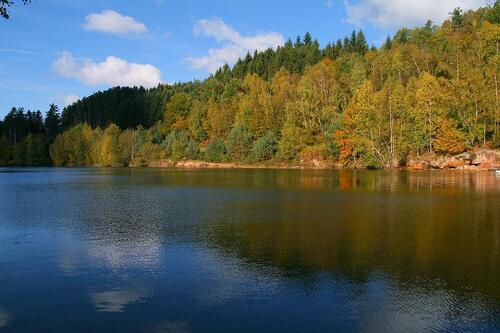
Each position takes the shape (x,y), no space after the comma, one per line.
(478,160)
(232,166)
(484,160)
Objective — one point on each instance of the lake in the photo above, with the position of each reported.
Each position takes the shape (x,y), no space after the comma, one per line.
(157,250)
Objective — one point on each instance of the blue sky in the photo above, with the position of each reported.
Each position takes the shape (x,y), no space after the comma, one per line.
(54,51)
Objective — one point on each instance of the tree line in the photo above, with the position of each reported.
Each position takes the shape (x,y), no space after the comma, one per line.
(25,136)
(427,90)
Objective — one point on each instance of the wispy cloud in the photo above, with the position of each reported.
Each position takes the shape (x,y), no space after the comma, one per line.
(398,13)
(112,72)
(234,45)
(18,51)
(112,22)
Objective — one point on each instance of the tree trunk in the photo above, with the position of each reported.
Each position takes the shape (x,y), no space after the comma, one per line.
(495,131)
(391,124)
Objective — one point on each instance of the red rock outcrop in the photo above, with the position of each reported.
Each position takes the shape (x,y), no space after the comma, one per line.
(479,160)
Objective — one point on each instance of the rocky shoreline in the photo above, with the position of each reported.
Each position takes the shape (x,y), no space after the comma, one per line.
(477,160)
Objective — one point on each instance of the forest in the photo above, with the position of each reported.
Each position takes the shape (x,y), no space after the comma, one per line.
(426,90)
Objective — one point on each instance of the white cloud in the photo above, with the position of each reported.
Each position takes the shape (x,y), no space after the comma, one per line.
(399,13)
(112,72)
(69,99)
(234,44)
(112,22)
(329,4)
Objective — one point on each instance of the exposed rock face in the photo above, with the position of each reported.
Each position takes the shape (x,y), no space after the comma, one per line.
(417,165)
(480,160)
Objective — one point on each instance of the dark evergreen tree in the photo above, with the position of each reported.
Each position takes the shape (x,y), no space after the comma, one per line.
(388,43)
(307,39)
(52,123)
(457,18)
(361,44)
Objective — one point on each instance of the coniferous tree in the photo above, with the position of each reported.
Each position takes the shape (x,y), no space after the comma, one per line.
(52,123)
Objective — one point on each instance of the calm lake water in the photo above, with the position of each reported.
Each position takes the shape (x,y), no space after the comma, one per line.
(143,250)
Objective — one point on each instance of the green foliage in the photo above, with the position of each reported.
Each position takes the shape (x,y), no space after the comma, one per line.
(36,150)
(196,121)
(5,150)
(493,13)
(18,153)
(178,145)
(291,142)
(388,43)
(192,150)
(265,148)
(239,143)
(457,18)
(216,151)
(332,145)
(175,138)
(52,123)
(125,106)
(74,147)
(177,109)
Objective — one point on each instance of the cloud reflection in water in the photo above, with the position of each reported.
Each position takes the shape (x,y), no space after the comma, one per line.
(115,301)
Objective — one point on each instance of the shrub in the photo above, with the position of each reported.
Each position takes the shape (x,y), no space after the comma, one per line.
(192,150)
(291,142)
(449,140)
(239,143)
(265,148)
(215,151)
(175,144)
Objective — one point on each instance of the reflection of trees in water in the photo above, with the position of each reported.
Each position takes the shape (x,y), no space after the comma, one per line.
(327,179)
(447,235)
(4,318)
(438,253)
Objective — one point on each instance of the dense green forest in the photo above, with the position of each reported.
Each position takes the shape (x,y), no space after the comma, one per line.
(427,90)
(25,136)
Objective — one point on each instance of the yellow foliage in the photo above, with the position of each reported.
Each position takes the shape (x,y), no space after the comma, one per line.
(449,139)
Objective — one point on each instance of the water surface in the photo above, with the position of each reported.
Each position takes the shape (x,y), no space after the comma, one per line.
(146,250)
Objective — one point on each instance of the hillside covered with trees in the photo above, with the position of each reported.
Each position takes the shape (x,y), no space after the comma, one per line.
(428,90)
